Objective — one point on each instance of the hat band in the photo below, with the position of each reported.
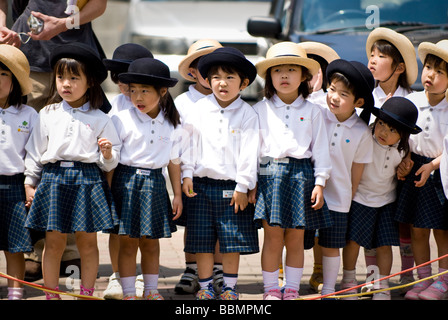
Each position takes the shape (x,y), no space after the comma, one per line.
(404,121)
(288,55)
(204,47)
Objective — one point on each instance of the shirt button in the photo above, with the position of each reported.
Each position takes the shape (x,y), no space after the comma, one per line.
(338,125)
(153,122)
(222,111)
(332,143)
(385,166)
(287,117)
(288,107)
(152,131)
(426,128)
(151,141)
(335,134)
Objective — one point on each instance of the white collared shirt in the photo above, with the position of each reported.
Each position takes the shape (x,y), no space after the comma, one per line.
(380,96)
(318,97)
(146,142)
(379,178)
(434,124)
(294,130)
(350,141)
(119,103)
(16,125)
(224,143)
(185,101)
(64,133)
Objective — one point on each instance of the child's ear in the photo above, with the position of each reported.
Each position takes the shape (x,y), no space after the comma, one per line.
(400,68)
(193,72)
(244,84)
(163,91)
(359,103)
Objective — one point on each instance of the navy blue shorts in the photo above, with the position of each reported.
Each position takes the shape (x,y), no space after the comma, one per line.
(211,218)
(331,237)
(14,237)
(423,207)
(142,202)
(284,195)
(72,196)
(373,227)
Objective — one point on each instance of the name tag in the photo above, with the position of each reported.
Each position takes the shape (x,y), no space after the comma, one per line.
(227,193)
(144,172)
(281,160)
(67,164)
(5,186)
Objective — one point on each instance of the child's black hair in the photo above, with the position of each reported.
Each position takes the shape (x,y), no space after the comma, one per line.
(403,144)
(304,87)
(226,68)
(337,76)
(168,107)
(94,93)
(15,93)
(387,48)
(436,61)
(323,66)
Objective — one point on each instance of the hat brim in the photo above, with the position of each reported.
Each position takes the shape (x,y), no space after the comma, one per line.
(355,77)
(132,77)
(319,49)
(403,45)
(117,66)
(9,56)
(185,63)
(426,48)
(224,58)
(395,121)
(263,66)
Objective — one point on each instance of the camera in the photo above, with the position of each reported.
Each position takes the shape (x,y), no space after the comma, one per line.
(36,25)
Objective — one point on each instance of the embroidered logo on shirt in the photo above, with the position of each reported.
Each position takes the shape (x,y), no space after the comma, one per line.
(164,139)
(347,140)
(24,127)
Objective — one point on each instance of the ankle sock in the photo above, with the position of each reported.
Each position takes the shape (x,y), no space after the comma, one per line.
(205,282)
(151,282)
(270,280)
(15,293)
(128,285)
(230,280)
(406,255)
(330,270)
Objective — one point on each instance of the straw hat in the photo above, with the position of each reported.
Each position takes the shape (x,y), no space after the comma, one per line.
(18,64)
(403,45)
(440,49)
(319,49)
(196,50)
(286,53)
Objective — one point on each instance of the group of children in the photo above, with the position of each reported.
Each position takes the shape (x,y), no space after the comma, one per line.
(333,157)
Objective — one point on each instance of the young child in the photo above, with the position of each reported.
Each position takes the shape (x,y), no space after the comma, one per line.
(371,218)
(188,69)
(324,55)
(70,146)
(351,85)
(17,121)
(138,186)
(221,165)
(295,164)
(421,201)
(121,59)
(393,63)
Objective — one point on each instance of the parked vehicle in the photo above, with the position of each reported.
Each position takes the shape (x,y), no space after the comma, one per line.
(344,25)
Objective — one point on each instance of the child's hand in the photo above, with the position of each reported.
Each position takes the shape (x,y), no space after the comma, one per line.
(105,147)
(252,195)
(239,199)
(177,207)
(29,195)
(404,168)
(187,187)
(317,197)
(425,171)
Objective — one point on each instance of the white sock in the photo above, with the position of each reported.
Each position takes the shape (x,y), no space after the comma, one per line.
(348,275)
(151,282)
(205,282)
(293,277)
(270,280)
(230,280)
(15,293)
(330,270)
(128,285)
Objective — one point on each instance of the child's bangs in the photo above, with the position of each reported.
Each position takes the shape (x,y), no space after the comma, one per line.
(67,65)
(437,62)
(387,48)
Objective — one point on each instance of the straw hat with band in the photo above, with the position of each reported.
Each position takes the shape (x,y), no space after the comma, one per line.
(18,64)
(403,45)
(227,56)
(319,49)
(196,50)
(124,55)
(286,53)
(440,49)
(148,71)
(399,112)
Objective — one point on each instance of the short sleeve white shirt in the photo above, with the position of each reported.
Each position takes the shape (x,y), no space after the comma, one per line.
(119,103)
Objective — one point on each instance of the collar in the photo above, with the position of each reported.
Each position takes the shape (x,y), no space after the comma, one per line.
(440,105)
(143,117)
(234,105)
(279,102)
(381,95)
(350,122)
(84,108)
(11,109)
(195,94)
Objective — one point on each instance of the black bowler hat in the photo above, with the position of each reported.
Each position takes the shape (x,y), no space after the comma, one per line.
(81,52)
(148,71)
(124,55)
(399,112)
(227,56)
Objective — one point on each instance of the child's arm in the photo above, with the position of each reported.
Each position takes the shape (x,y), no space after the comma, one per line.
(405,166)
(174,173)
(187,187)
(105,148)
(425,171)
(239,199)
(317,197)
(252,195)
(29,194)
(357,170)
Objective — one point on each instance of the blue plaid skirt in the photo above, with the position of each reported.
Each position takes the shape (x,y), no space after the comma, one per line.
(423,207)
(373,227)
(284,193)
(72,196)
(142,203)
(14,237)
(211,218)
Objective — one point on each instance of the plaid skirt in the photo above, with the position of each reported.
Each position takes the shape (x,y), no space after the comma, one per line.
(14,237)
(211,218)
(284,193)
(423,207)
(142,202)
(373,227)
(72,196)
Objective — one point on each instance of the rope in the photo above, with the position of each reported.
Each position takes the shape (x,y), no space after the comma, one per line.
(43,288)
(334,294)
